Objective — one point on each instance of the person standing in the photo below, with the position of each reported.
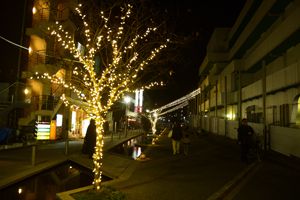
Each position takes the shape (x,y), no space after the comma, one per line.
(245,134)
(176,137)
(90,138)
(186,143)
(199,130)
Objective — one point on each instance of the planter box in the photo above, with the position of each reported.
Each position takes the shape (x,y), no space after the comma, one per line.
(11,146)
(17,144)
(31,142)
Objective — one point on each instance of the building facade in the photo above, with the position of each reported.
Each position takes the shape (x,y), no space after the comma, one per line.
(47,55)
(252,71)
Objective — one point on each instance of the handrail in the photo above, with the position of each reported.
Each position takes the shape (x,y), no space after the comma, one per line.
(13,84)
(274,123)
(289,125)
(57,89)
(44,15)
(13,93)
(42,102)
(40,57)
(8,87)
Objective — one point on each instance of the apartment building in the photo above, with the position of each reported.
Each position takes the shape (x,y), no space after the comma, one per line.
(252,70)
(47,55)
(39,101)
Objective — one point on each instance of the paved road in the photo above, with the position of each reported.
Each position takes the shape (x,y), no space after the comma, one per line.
(211,170)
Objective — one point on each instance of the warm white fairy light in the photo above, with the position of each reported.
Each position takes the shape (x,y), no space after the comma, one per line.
(154,115)
(179,101)
(183,101)
(175,108)
(113,82)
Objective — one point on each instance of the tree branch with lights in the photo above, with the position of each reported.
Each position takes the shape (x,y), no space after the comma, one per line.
(122,47)
(174,105)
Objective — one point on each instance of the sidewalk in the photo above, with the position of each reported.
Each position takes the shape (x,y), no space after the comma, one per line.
(150,174)
(269,156)
(16,163)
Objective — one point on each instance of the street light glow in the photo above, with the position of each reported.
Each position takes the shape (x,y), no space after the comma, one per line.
(127,99)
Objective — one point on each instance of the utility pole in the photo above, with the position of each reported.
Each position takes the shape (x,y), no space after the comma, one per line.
(19,65)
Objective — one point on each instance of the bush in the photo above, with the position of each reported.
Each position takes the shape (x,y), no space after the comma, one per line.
(106,193)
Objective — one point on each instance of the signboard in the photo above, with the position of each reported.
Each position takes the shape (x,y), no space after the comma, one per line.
(43,130)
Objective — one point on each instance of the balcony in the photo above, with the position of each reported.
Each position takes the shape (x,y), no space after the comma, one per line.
(14,96)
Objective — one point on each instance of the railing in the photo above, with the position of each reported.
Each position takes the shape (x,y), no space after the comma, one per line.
(42,102)
(40,16)
(63,14)
(39,57)
(16,92)
(36,59)
(293,125)
(43,15)
(277,123)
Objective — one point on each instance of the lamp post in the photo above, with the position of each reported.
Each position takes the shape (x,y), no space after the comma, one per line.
(127,100)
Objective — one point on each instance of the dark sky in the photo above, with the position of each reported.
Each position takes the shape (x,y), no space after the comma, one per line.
(11,14)
(203,16)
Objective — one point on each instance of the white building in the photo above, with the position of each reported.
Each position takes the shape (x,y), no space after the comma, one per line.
(252,71)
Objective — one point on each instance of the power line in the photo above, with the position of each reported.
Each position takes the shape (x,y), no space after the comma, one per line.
(20,46)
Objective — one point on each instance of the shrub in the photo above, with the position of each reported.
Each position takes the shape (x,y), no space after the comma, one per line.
(106,193)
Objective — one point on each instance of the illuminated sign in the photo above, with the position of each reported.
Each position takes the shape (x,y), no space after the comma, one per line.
(59,119)
(43,130)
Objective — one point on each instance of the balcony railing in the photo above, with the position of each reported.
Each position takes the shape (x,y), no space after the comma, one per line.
(42,102)
(39,57)
(16,92)
(43,15)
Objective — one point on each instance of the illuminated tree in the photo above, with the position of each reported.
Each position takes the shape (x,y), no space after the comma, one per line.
(122,44)
(174,105)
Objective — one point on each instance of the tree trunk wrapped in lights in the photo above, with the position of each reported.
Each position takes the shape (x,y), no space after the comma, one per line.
(114,46)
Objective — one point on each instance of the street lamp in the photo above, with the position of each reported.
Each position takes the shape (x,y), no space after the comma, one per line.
(127,100)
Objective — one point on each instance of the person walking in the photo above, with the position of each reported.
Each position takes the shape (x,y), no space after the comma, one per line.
(186,143)
(176,137)
(90,138)
(245,133)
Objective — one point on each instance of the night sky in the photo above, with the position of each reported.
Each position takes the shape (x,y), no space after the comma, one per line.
(202,16)
(11,14)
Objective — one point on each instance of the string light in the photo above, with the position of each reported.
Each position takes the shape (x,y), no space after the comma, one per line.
(102,89)
(175,108)
(183,101)
(179,101)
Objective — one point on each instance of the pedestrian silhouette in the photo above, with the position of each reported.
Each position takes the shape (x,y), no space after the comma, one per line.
(176,137)
(90,139)
(245,133)
(186,143)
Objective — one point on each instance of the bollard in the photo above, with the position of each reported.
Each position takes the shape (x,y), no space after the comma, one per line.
(33,155)
(112,136)
(67,147)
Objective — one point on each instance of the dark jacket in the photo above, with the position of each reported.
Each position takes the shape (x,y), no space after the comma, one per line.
(243,134)
(90,138)
(177,133)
